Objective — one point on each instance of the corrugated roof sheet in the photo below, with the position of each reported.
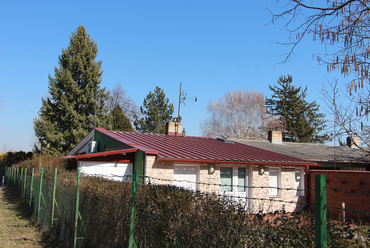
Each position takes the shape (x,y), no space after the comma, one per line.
(197,148)
(309,151)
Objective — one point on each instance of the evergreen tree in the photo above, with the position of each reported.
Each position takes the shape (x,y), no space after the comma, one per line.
(67,114)
(156,111)
(303,122)
(120,120)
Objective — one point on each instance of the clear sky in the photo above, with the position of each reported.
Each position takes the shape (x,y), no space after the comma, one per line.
(209,46)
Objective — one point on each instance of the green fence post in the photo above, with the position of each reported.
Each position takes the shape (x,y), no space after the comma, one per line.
(31,187)
(20,182)
(77,206)
(40,192)
(132,219)
(320,211)
(24,183)
(6,175)
(15,177)
(53,201)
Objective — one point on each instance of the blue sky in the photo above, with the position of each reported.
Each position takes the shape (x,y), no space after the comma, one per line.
(209,46)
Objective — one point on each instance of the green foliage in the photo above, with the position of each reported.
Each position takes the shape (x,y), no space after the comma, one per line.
(167,216)
(156,111)
(11,158)
(303,122)
(67,114)
(120,122)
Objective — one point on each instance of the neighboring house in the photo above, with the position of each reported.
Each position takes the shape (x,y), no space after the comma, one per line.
(206,164)
(327,156)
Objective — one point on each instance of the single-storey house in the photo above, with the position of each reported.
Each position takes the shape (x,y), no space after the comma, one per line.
(264,180)
(328,157)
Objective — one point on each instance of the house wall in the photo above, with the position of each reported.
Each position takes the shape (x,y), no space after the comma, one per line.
(163,173)
(105,142)
(209,182)
(159,173)
(350,181)
(287,194)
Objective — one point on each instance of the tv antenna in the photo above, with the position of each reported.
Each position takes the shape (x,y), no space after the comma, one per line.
(182,98)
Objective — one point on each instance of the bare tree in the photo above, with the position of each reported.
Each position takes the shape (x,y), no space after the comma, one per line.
(343,27)
(346,121)
(239,114)
(118,96)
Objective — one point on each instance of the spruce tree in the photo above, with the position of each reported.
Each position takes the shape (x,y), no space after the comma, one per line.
(303,122)
(67,114)
(120,122)
(156,111)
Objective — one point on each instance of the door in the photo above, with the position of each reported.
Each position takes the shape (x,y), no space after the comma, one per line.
(235,183)
(186,177)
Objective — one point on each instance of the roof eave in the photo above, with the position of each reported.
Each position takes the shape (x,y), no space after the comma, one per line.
(179,160)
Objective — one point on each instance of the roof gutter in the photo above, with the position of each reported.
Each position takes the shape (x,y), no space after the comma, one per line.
(103,154)
(235,162)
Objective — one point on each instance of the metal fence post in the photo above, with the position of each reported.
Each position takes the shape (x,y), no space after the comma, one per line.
(53,200)
(77,206)
(40,192)
(20,182)
(31,188)
(25,183)
(320,211)
(132,219)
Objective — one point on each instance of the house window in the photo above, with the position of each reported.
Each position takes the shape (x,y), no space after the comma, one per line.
(241,179)
(226,174)
(299,181)
(274,182)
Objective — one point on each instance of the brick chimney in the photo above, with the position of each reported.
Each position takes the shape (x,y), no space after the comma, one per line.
(353,141)
(275,137)
(171,129)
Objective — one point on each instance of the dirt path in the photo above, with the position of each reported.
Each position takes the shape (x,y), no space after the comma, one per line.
(16,230)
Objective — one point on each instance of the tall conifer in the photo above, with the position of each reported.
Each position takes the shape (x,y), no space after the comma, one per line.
(156,111)
(67,114)
(303,122)
(120,122)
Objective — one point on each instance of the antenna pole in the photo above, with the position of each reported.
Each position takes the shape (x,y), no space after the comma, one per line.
(178,113)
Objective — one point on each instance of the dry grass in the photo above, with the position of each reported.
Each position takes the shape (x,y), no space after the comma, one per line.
(16,230)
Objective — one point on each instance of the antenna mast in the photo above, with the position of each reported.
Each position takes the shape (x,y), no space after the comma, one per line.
(182,98)
(178,113)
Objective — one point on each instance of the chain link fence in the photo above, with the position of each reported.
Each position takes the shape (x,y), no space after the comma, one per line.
(86,211)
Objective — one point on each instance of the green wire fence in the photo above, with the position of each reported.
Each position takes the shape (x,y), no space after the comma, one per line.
(86,211)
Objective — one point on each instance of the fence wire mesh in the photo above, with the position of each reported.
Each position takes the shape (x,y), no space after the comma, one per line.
(165,216)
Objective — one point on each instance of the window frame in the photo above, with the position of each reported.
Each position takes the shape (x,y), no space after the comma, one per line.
(278,182)
(300,188)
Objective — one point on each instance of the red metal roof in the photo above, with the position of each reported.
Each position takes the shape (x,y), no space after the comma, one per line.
(189,148)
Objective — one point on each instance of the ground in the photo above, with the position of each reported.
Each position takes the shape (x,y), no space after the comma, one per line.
(16,229)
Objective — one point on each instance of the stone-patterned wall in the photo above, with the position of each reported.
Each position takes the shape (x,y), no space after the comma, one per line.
(287,180)
(158,172)
(162,173)
(209,182)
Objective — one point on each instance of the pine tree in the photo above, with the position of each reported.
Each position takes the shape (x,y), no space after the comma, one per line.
(120,120)
(156,111)
(67,114)
(303,122)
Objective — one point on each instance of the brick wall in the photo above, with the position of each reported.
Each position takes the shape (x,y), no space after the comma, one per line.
(351,181)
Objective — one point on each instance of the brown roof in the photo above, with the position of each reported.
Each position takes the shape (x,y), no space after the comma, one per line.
(189,148)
